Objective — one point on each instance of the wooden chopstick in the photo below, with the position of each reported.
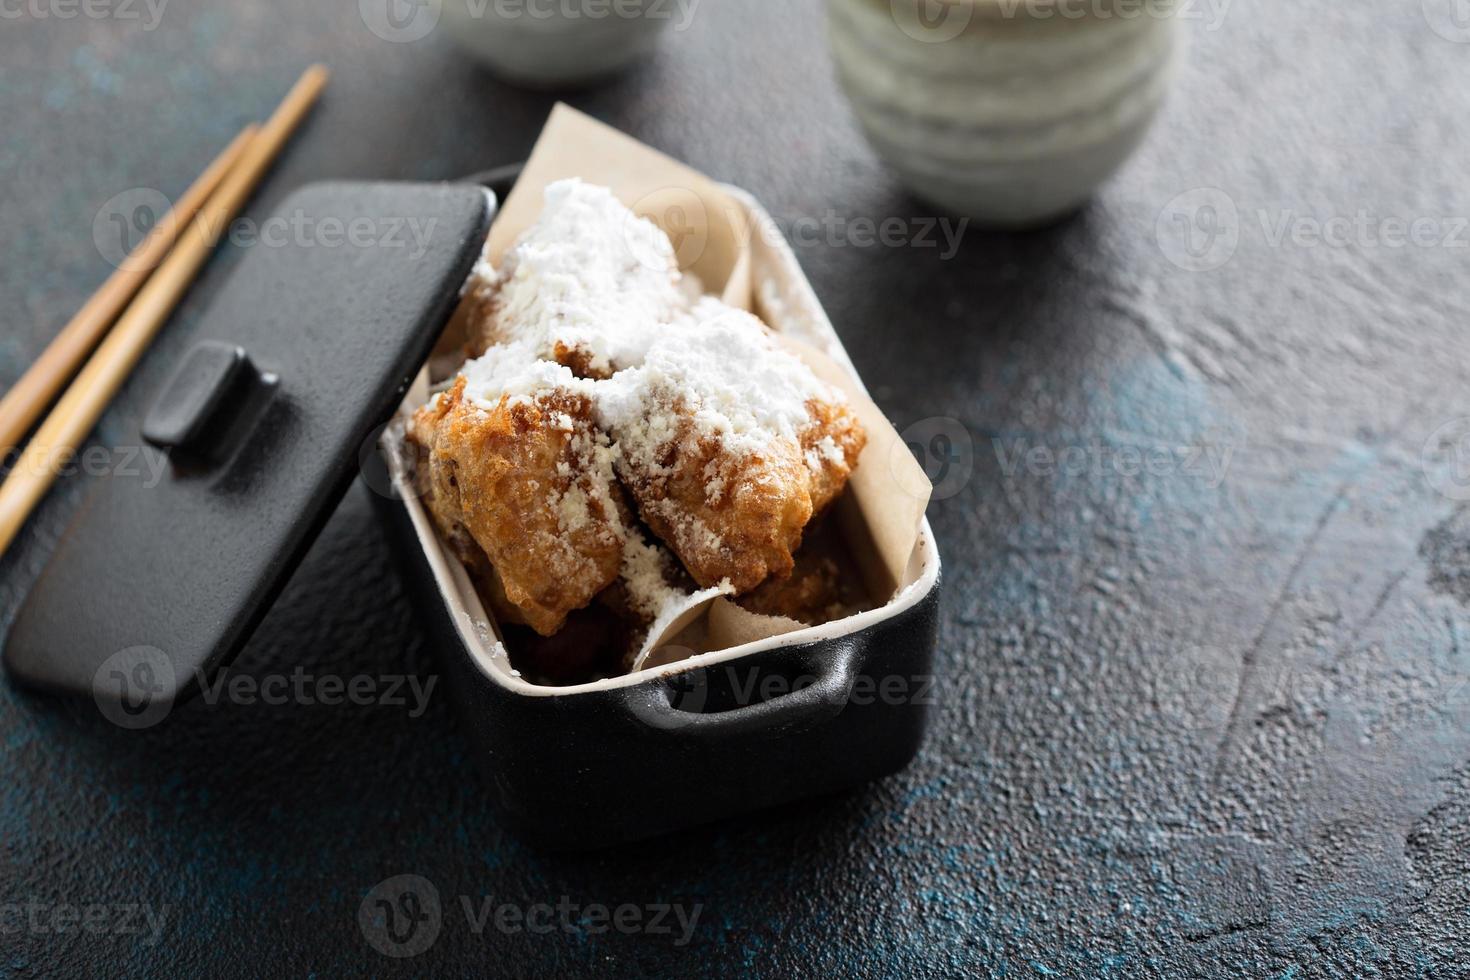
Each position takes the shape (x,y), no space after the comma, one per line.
(64,430)
(30,396)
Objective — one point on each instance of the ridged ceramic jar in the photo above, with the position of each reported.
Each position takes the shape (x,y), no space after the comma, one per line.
(1011,112)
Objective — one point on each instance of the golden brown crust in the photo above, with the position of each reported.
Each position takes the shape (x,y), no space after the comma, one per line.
(831,463)
(811,594)
(474,318)
(823,586)
(740,517)
(521,480)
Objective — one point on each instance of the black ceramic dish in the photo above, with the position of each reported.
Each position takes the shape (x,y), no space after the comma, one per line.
(721,734)
(639,756)
(262,445)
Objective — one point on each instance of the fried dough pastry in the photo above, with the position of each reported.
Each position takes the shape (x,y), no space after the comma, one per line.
(730,446)
(529,480)
(811,594)
(598,377)
(817,591)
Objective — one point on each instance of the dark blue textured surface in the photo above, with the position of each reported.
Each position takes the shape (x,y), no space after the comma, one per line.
(1187,726)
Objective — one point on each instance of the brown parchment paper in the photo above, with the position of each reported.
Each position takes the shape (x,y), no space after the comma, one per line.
(883,508)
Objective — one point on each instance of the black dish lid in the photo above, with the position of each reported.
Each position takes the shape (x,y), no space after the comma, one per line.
(309,349)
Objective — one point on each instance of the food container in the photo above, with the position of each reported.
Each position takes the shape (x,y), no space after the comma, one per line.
(304,357)
(1011,112)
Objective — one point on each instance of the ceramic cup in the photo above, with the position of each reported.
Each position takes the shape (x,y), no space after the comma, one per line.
(557,43)
(1011,112)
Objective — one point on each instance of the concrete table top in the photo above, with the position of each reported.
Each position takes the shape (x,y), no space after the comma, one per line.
(1205,653)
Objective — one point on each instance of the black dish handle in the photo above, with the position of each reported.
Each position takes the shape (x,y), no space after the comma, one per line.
(677,704)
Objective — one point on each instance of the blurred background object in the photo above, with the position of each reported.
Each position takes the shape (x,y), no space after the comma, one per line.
(543,44)
(1011,112)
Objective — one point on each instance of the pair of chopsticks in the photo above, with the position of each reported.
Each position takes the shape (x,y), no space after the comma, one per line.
(124,316)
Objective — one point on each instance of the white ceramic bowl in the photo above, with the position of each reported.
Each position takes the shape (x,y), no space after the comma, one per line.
(552,43)
(994,110)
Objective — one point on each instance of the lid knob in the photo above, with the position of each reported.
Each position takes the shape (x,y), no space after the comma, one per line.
(215,387)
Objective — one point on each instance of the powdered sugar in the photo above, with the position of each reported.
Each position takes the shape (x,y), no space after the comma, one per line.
(647,571)
(717,367)
(514,370)
(591,276)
